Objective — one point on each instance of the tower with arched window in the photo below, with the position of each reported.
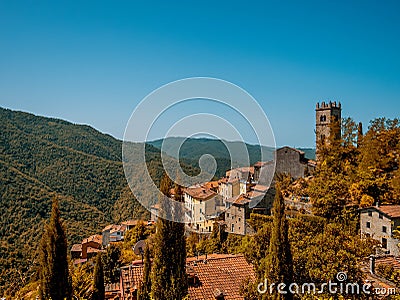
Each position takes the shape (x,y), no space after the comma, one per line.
(326,113)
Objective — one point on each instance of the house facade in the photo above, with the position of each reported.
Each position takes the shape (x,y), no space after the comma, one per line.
(236,213)
(292,161)
(202,207)
(229,187)
(379,222)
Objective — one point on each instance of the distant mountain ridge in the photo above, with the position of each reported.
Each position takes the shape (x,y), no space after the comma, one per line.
(193,148)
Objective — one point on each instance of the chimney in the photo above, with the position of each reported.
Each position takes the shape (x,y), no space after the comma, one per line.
(372,264)
(377,204)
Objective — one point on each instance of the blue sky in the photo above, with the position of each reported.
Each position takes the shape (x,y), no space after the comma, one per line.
(93,61)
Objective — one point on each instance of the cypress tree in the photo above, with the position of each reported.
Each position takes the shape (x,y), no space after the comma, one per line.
(359,134)
(112,264)
(160,276)
(98,280)
(145,287)
(279,260)
(55,282)
(180,285)
(168,276)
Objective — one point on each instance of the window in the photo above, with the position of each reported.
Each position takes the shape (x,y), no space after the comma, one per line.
(370,213)
(384,229)
(227,214)
(239,219)
(368,224)
(384,243)
(233,227)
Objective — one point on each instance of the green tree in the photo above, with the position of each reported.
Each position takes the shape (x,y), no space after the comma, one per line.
(379,161)
(145,288)
(98,280)
(55,282)
(360,134)
(336,170)
(279,263)
(112,263)
(168,275)
(82,281)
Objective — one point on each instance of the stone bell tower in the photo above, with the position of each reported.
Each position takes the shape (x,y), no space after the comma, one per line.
(326,114)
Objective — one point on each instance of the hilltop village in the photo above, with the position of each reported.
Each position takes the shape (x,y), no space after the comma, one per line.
(229,205)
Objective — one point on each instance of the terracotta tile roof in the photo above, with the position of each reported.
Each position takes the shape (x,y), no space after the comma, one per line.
(97,238)
(240,200)
(109,227)
(392,211)
(211,184)
(118,228)
(242,170)
(388,260)
(260,188)
(255,194)
(376,279)
(220,273)
(260,164)
(200,193)
(93,250)
(80,261)
(228,180)
(130,223)
(76,248)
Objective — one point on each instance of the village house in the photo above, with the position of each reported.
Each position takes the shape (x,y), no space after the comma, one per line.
(217,276)
(229,187)
(379,222)
(202,207)
(238,209)
(293,161)
(243,173)
(130,224)
(113,233)
(236,214)
(87,249)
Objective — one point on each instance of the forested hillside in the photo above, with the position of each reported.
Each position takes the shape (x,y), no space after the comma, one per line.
(44,157)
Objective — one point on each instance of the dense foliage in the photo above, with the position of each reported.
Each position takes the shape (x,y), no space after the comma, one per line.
(44,157)
(357,169)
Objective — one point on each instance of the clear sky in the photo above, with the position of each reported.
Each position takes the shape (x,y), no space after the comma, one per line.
(93,61)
